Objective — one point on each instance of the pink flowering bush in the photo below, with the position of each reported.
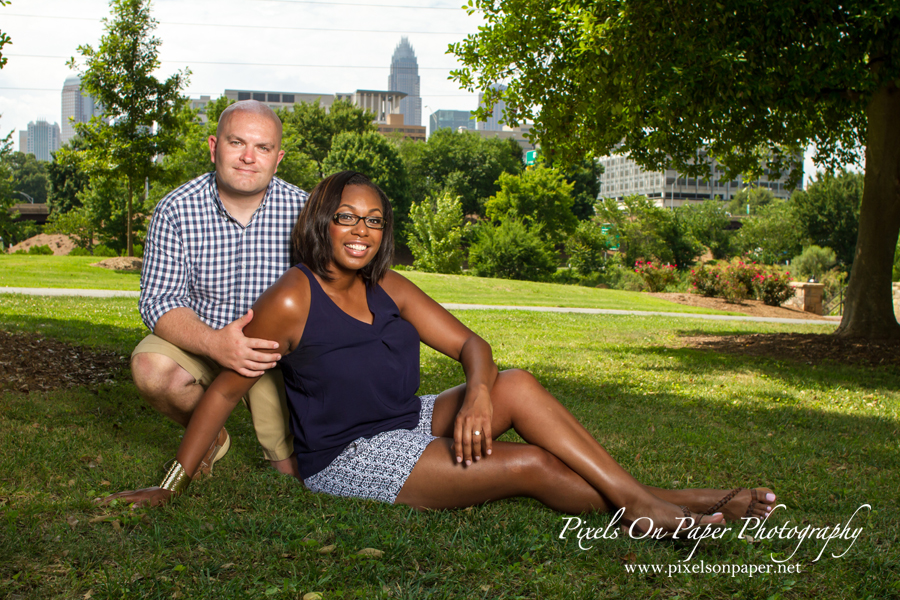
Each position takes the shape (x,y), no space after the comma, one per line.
(736,280)
(705,281)
(656,277)
(773,287)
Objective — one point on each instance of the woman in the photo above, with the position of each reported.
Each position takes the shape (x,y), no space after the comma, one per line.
(348,329)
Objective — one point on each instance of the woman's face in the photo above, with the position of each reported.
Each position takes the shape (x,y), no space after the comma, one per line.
(355,246)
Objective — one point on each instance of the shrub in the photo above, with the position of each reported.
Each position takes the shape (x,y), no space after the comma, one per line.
(43,250)
(656,277)
(587,248)
(814,262)
(511,251)
(773,287)
(737,280)
(80,252)
(705,281)
(104,251)
(619,277)
(435,234)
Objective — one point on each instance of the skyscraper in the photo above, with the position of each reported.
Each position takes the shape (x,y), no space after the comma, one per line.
(404,77)
(493,122)
(77,107)
(43,138)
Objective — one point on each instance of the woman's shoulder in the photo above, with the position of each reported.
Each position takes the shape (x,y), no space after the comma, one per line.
(402,291)
(289,295)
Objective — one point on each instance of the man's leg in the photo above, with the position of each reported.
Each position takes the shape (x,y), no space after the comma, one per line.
(172,381)
(271,420)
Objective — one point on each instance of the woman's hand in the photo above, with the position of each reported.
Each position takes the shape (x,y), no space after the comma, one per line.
(472,430)
(154,496)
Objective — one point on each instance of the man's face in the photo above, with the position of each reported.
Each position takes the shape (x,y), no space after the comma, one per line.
(246,154)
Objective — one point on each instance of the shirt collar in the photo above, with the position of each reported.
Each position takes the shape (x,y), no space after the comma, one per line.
(217,201)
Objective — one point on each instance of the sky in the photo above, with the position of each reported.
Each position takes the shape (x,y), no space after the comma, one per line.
(319,46)
(275,45)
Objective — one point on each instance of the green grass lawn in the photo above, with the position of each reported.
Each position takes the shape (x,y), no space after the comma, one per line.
(76,272)
(823,437)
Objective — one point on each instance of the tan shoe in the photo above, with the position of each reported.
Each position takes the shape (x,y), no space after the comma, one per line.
(216,451)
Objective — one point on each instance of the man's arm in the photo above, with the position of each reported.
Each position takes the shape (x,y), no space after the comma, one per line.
(228,346)
(165,309)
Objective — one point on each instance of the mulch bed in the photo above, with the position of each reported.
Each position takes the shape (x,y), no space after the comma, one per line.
(810,348)
(34,363)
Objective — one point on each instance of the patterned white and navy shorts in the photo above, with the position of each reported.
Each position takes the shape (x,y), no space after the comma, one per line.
(377,467)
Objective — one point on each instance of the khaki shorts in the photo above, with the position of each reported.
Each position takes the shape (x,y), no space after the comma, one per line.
(265,400)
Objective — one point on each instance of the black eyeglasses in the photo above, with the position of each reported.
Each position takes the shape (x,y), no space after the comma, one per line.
(349,220)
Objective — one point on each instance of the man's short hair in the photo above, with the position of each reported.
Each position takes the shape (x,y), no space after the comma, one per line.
(252,106)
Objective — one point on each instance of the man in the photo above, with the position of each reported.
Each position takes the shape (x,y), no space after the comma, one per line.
(213,246)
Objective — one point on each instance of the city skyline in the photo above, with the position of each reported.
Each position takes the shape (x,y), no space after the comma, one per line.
(312,53)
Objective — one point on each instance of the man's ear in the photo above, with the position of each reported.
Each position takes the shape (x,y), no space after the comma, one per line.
(212,148)
(280,156)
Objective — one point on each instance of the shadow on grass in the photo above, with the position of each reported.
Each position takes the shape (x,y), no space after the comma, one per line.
(78,331)
(250,533)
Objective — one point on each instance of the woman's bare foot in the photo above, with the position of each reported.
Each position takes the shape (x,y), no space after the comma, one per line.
(734,504)
(660,520)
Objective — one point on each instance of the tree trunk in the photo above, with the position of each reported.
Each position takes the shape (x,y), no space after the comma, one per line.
(869,309)
(128,243)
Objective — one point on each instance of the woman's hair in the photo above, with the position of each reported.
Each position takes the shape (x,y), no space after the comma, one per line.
(311,241)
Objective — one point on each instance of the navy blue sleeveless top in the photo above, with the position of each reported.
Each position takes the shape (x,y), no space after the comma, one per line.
(348,379)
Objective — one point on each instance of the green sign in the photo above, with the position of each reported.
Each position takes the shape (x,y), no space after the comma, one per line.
(530,157)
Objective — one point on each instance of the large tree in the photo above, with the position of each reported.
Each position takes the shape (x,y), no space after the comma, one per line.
(752,82)
(140,113)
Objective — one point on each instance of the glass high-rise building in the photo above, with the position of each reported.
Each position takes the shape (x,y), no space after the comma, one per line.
(43,138)
(495,122)
(77,107)
(404,77)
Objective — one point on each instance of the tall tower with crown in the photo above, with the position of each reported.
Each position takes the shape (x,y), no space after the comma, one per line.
(404,77)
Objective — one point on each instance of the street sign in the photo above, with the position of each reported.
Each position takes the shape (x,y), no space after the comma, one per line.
(530,157)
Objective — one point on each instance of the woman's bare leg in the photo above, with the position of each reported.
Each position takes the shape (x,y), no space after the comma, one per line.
(438,481)
(520,402)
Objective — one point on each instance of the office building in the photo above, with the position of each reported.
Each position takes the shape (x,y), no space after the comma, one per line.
(516,133)
(42,138)
(395,126)
(450,119)
(77,107)
(404,78)
(380,103)
(277,100)
(623,177)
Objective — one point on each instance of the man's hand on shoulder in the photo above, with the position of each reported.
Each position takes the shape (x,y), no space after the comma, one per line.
(231,349)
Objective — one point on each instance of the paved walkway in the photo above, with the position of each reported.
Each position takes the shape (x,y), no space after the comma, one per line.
(452,306)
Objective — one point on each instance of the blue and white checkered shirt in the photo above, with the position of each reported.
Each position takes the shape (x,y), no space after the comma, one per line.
(197,256)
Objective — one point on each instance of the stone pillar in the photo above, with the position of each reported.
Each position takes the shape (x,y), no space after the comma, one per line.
(807,296)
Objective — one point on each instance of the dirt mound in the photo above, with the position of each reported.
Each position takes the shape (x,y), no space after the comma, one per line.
(120,263)
(60,244)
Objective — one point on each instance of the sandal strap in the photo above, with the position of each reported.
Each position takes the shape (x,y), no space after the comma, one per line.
(754,500)
(728,498)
